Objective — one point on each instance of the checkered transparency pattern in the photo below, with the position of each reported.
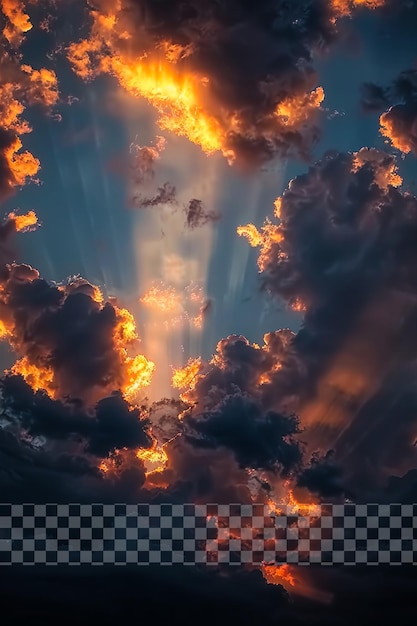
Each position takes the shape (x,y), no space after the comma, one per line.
(214,533)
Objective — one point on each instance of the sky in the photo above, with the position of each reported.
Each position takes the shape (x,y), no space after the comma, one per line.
(81,196)
(290,129)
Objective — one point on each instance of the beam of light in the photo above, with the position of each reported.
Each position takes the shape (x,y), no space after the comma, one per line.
(64,181)
(84,169)
(179,259)
(104,181)
(172,258)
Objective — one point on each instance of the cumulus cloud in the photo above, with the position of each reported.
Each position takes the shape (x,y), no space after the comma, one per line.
(344,231)
(20,86)
(70,342)
(344,246)
(259,441)
(231,77)
(113,425)
(398,123)
(324,477)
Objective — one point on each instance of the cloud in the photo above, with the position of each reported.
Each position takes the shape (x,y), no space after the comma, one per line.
(374,97)
(380,441)
(166,194)
(238,78)
(30,475)
(233,78)
(344,246)
(70,343)
(345,7)
(323,477)
(225,410)
(199,475)
(18,21)
(53,452)
(259,441)
(344,231)
(398,123)
(114,424)
(143,159)
(197,215)
(20,86)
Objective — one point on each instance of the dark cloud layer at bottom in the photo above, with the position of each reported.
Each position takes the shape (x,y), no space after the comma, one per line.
(187,596)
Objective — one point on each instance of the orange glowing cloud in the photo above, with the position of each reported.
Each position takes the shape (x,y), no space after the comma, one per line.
(293,507)
(18,22)
(278,575)
(26,86)
(185,378)
(385,171)
(399,126)
(111,362)
(175,96)
(26,222)
(167,300)
(37,377)
(296,110)
(177,307)
(154,458)
(265,238)
(270,237)
(169,75)
(345,7)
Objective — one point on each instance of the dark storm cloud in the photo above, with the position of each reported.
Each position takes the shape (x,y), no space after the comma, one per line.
(345,229)
(66,331)
(345,246)
(53,475)
(403,88)
(258,440)
(201,475)
(225,409)
(113,425)
(237,366)
(197,215)
(346,235)
(381,439)
(50,452)
(323,477)
(257,57)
